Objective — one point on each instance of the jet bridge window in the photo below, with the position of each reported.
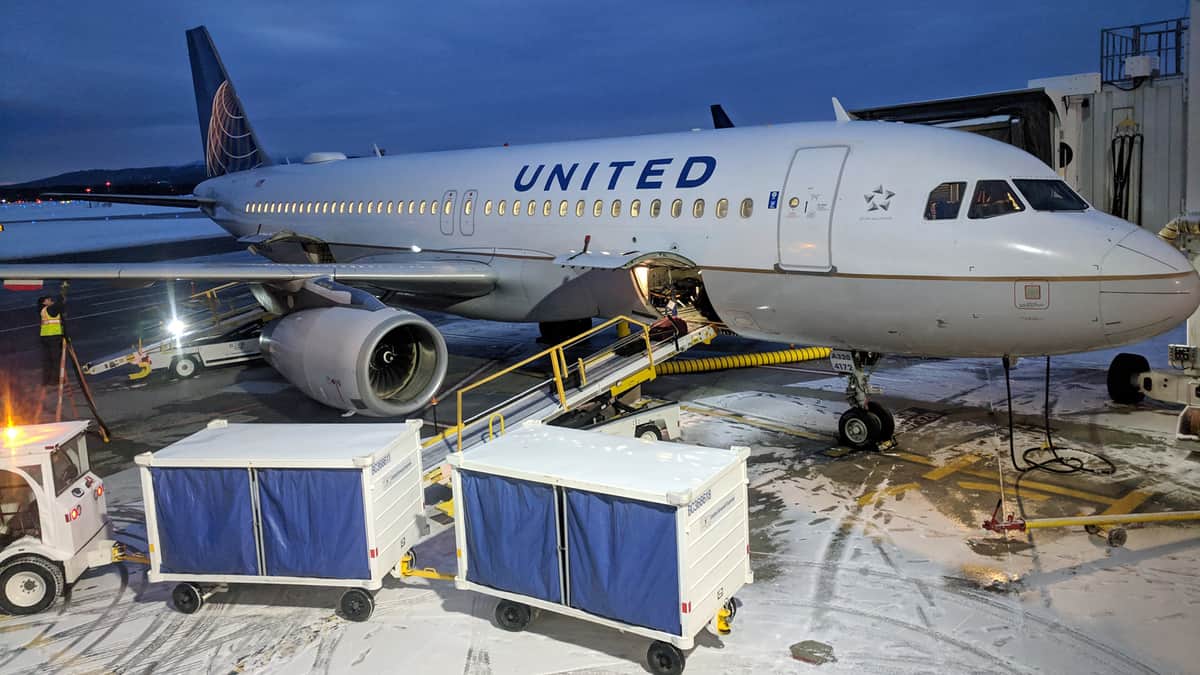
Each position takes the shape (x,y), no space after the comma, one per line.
(994,198)
(1050,195)
(945,201)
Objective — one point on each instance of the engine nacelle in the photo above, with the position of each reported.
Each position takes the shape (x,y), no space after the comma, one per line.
(382,363)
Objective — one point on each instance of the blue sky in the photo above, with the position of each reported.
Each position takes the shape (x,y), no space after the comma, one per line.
(95,85)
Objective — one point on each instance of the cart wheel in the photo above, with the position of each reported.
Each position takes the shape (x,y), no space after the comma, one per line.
(357,604)
(1117,537)
(664,658)
(1092,529)
(28,585)
(648,432)
(184,367)
(732,604)
(187,598)
(513,616)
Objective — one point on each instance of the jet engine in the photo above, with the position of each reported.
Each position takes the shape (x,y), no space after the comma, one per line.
(383,362)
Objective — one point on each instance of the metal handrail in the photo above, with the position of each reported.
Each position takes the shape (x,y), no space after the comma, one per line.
(558,364)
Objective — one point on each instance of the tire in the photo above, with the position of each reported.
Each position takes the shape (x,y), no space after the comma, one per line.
(357,604)
(732,605)
(887,423)
(1117,537)
(29,584)
(184,367)
(648,432)
(665,659)
(858,429)
(513,616)
(1091,529)
(1120,378)
(187,598)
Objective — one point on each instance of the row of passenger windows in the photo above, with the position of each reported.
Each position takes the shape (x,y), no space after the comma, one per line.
(499,208)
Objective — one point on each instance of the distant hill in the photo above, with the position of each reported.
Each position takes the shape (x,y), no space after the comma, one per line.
(149,180)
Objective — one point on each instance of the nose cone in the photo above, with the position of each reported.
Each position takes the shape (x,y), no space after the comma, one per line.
(1146,288)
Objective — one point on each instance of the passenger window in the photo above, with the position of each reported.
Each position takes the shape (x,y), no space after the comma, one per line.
(360,207)
(698,208)
(598,208)
(563,206)
(676,208)
(635,208)
(247,207)
(580,207)
(655,208)
(546,206)
(379,207)
(516,207)
(531,208)
(722,207)
(389,207)
(945,201)
(370,207)
(328,206)
(616,208)
(747,208)
(467,206)
(421,208)
(342,207)
(993,198)
(434,206)
(448,206)
(501,207)
(487,207)
(412,205)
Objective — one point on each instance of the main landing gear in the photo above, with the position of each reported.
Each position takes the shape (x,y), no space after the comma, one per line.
(867,423)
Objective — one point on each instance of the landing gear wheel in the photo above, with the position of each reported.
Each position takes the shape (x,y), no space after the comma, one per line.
(184,367)
(1091,529)
(1120,378)
(29,585)
(648,432)
(187,598)
(664,658)
(513,616)
(1117,537)
(357,604)
(858,429)
(887,423)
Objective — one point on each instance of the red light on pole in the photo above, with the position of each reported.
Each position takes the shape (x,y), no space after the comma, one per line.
(87,189)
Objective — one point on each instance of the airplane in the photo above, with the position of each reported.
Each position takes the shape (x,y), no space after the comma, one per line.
(870,237)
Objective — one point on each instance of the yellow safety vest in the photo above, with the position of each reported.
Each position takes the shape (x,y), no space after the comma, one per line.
(51,325)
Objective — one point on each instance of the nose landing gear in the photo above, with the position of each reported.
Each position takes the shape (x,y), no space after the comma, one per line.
(866,424)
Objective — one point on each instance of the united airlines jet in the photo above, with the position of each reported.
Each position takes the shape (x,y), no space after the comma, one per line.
(875,237)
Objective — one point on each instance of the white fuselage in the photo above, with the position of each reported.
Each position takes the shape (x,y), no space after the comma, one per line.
(836,249)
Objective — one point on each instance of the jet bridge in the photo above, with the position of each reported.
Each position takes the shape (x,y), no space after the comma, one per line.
(611,371)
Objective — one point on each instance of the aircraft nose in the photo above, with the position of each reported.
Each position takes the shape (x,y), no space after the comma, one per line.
(1146,288)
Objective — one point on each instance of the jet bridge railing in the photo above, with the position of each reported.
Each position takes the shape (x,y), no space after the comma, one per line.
(563,375)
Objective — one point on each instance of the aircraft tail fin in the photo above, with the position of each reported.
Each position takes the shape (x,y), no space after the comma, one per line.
(229,142)
(720,119)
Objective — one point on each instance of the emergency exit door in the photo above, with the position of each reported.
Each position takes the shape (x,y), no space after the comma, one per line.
(806,208)
(448,212)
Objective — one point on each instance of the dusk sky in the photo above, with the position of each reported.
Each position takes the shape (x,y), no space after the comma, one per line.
(107,85)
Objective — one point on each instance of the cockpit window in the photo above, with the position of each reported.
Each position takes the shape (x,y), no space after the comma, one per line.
(945,201)
(1050,195)
(994,198)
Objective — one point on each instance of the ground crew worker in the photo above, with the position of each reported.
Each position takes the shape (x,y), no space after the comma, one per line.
(51,337)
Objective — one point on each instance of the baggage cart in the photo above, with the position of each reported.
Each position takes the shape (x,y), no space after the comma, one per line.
(305,504)
(642,536)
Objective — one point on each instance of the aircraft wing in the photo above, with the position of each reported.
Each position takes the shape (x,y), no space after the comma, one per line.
(187,202)
(457,278)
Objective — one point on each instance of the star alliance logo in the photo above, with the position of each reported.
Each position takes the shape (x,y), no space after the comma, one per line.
(879,199)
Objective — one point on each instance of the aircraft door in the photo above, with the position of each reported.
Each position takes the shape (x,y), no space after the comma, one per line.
(466,226)
(806,208)
(448,212)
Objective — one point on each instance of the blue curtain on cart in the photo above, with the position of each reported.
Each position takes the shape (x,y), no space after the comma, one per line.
(313,523)
(511,540)
(623,560)
(205,522)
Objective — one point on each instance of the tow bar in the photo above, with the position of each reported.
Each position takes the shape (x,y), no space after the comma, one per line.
(1092,524)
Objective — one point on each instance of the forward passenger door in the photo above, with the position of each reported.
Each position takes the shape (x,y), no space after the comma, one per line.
(806,208)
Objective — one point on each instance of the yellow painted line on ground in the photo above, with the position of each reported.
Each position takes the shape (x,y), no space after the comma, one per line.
(754,422)
(1025,484)
(951,467)
(886,492)
(1127,503)
(917,459)
(991,487)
